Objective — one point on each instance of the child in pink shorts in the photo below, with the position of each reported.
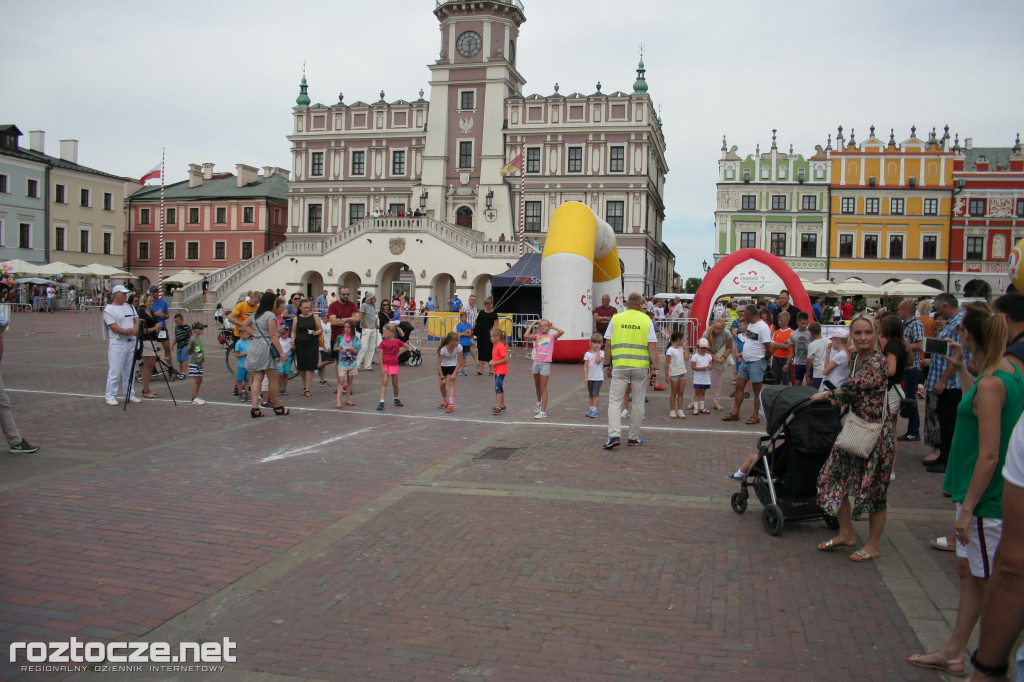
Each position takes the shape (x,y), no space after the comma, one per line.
(390,348)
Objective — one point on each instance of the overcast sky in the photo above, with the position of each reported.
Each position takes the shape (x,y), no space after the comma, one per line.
(215,81)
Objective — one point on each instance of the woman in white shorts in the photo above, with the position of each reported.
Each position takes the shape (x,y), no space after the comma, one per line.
(985,421)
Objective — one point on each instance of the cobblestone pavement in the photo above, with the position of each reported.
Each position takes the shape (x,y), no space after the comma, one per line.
(357,544)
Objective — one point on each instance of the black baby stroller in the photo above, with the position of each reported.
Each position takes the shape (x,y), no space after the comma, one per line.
(411,357)
(785,476)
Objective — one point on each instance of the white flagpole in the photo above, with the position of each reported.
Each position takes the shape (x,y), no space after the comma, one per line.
(163,155)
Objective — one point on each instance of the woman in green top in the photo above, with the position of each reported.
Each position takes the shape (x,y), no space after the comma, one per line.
(985,419)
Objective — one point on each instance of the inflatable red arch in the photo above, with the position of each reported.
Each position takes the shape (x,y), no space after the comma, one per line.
(747,272)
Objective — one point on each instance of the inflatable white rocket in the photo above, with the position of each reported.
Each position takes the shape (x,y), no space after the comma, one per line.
(580,264)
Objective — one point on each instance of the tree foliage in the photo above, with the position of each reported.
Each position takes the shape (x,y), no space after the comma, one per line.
(692,284)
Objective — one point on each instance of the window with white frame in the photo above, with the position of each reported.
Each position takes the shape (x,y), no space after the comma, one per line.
(532,222)
(246,250)
(748,202)
(465,154)
(83,241)
(193,216)
(315,218)
(59,238)
(108,201)
(398,163)
(32,188)
(356,212)
(871,205)
(975,248)
(3,183)
(316,166)
(172,216)
(778,244)
(248,215)
(931,207)
(575,160)
(809,202)
(168,250)
(617,162)
(467,99)
(846,246)
(143,251)
(192,250)
(615,214)
(144,216)
(976,207)
(108,242)
(896,206)
(221,215)
(930,247)
(848,205)
(220,251)
(533,160)
(896,246)
(24,235)
(86,197)
(748,240)
(808,245)
(359,163)
(778,202)
(870,246)
(60,194)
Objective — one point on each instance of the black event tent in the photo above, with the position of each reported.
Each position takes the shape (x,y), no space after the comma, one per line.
(517,290)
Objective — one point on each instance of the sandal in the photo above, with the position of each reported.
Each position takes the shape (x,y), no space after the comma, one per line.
(753,420)
(832,545)
(731,418)
(150,395)
(281,411)
(350,403)
(955,668)
(256,412)
(305,393)
(860,556)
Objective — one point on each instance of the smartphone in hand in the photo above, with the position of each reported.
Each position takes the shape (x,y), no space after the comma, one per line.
(936,346)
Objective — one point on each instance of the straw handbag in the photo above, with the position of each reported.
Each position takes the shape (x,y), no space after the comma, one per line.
(859,436)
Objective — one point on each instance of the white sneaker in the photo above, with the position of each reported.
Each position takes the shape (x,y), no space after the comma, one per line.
(541,415)
(537,409)
(672,414)
(198,401)
(625,414)
(133,399)
(111,402)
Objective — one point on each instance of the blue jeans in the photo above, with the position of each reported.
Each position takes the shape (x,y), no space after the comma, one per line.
(911,378)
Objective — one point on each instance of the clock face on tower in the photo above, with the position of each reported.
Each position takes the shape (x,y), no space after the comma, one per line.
(469,44)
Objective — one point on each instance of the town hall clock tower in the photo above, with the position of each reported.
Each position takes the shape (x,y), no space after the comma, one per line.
(473,75)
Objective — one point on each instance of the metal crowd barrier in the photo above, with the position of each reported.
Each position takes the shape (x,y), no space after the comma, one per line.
(22,322)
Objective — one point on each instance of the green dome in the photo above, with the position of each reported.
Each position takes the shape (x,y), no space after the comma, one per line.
(640,87)
(303,99)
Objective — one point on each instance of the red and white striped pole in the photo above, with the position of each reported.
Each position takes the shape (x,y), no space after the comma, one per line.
(163,172)
(522,201)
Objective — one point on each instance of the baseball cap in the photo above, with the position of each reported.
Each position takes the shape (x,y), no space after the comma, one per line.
(155,287)
(198,325)
(840,333)
(703,343)
(120,289)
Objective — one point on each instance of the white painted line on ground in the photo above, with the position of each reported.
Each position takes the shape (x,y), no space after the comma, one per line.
(309,448)
(593,424)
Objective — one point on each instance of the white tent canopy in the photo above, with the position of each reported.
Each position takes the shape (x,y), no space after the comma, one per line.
(183,277)
(59,268)
(20,267)
(909,287)
(100,270)
(857,287)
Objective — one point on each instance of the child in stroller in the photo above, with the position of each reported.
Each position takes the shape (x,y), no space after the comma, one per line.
(784,470)
(411,357)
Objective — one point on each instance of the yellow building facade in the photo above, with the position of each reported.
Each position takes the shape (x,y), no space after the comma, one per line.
(890,209)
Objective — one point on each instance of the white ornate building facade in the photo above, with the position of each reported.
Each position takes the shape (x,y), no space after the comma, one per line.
(441,160)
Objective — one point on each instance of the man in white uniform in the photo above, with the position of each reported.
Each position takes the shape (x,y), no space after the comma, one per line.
(757,347)
(122,323)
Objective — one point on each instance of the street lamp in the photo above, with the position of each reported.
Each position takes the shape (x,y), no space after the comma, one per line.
(423,199)
(489,198)
(705,265)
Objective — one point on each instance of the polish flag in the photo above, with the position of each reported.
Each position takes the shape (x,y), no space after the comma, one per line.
(151,175)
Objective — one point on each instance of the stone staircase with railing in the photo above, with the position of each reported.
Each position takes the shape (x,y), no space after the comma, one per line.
(472,242)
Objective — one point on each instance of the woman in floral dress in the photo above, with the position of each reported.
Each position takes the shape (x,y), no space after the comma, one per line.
(845,475)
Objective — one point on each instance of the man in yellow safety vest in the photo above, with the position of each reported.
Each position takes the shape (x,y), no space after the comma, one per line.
(630,359)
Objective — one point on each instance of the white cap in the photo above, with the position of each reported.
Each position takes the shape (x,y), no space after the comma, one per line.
(121,289)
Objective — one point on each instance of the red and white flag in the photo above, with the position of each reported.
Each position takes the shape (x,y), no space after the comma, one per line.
(151,175)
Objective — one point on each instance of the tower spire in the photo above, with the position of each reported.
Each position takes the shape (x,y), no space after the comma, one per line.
(303,99)
(640,86)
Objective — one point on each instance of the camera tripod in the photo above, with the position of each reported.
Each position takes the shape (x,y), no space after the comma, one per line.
(166,371)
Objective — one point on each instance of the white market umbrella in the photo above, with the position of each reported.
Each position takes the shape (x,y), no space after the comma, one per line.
(909,287)
(183,277)
(100,270)
(856,287)
(20,267)
(820,286)
(59,268)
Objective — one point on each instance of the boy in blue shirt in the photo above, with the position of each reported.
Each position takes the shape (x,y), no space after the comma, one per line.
(241,376)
